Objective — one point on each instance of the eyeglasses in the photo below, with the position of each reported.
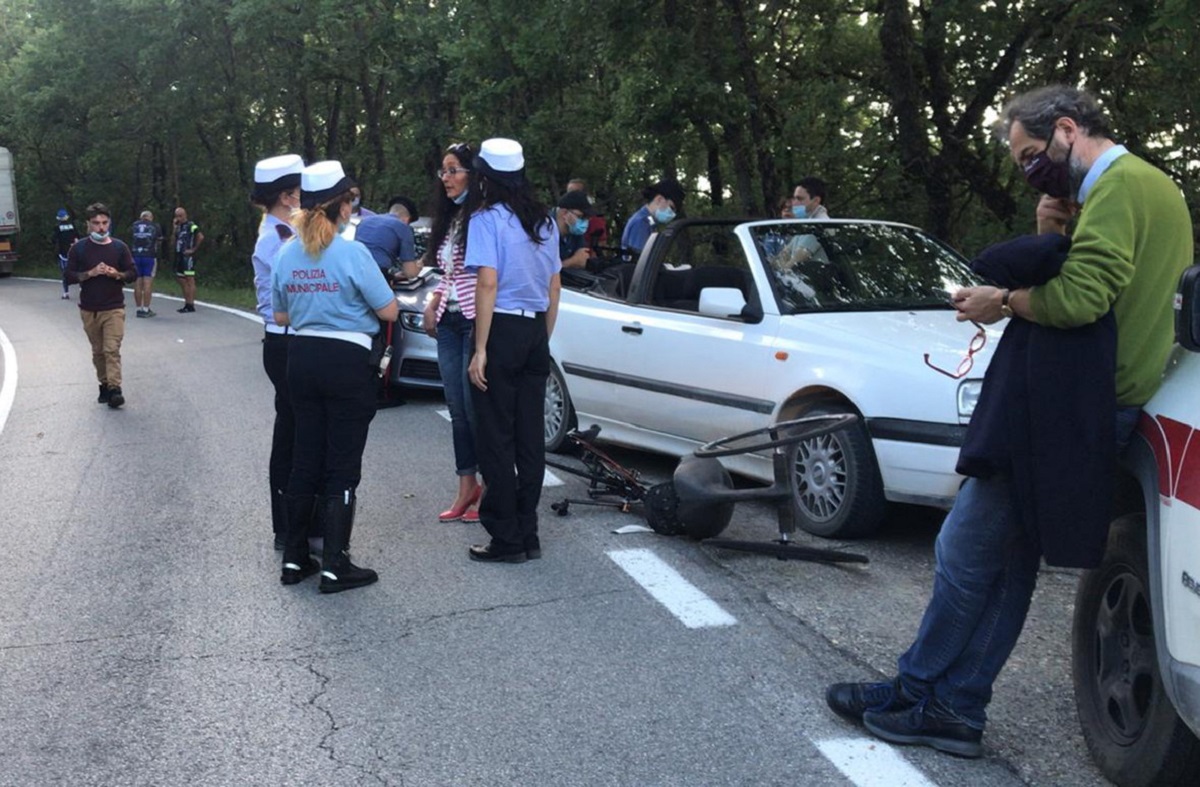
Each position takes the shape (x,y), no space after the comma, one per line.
(451,171)
(977,343)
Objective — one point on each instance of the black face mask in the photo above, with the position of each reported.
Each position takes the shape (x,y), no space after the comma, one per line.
(1050,177)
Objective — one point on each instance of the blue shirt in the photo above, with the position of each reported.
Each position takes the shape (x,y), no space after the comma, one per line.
(388,239)
(272,232)
(496,239)
(338,291)
(637,230)
(1099,166)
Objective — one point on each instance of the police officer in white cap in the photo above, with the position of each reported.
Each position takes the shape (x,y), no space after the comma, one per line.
(277,194)
(512,244)
(331,293)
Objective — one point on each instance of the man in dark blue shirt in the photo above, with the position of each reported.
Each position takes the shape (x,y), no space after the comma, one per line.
(389,237)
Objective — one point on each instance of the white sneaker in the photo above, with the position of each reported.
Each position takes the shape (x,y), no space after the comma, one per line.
(66,296)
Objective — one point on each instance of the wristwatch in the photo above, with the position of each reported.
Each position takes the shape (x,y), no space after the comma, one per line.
(1005,309)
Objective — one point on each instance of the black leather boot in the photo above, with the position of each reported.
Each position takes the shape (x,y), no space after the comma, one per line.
(337,572)
(297,563)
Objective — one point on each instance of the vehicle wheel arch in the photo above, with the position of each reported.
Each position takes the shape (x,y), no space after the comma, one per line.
(838,489)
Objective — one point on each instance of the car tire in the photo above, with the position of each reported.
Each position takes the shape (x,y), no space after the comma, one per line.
(559,414)
(837,490)
(1131,729)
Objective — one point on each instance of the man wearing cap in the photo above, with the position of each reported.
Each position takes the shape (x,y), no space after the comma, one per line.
(101,265)
(147,239)
(663,200)
(597,231)
(571,215)
(277,194)
(65,235)
(512,244)
(389,237)
(188,238)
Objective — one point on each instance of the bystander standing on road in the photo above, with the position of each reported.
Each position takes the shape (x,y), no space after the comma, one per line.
(571,214)
(1132,239)
(450,318)
(188,238)
(65,235)
(332,294)
(664,200)
(808,199)
(101,265)
(146,240)
(277,194)
(389,237)
(513,247)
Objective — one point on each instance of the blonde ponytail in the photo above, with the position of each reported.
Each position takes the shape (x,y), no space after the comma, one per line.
(316,227)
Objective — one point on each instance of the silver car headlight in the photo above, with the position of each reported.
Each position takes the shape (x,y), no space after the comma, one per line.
(968,397)
(412,321)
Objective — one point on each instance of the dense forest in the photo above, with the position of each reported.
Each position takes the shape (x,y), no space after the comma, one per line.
(154,103)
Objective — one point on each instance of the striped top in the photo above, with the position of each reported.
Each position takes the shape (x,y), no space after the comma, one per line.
(458,283)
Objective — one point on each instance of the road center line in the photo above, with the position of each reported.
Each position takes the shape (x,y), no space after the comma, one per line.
(681,598)
(8,391)
(871,763)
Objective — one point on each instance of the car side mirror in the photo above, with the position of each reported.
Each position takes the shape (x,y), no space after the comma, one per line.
(726,302)
(1187,310)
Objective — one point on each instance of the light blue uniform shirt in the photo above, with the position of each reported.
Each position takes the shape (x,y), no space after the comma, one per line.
(266,247)
(637,231)
(496,239)
(338,291)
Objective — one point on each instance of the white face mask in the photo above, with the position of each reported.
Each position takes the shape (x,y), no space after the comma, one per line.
(98,236)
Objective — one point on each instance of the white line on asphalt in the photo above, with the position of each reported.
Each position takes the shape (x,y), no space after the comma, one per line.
(550,479)
(681,598)
(871,763)
(8,391)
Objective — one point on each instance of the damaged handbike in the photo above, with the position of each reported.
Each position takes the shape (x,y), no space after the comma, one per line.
(699,500)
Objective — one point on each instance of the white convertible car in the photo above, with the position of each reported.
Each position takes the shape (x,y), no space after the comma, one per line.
(724,326)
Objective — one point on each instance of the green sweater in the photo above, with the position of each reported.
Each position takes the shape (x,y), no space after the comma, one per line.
(1132,242)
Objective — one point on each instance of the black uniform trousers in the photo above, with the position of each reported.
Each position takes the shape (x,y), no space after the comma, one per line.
(275,363)
(333,398)
(510,432)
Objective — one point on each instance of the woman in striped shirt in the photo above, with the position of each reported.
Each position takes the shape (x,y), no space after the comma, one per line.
(450,318)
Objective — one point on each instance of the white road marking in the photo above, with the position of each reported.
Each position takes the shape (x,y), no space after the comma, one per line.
(8,391)
(681,598)
(871,763)
(550,479)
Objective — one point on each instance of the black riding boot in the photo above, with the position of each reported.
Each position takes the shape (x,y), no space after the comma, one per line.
(297,563)
(338,573)
(278,518)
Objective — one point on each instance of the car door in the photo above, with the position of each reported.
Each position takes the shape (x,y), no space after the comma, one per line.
(673,370)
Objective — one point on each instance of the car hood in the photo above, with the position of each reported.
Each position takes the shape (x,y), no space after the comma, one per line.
(907,333)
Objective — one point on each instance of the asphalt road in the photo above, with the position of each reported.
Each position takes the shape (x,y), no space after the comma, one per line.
(145,638)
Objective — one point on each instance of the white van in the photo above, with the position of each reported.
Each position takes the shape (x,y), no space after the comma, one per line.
(1136,634)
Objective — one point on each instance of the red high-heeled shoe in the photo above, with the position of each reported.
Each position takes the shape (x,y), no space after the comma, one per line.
(455,514)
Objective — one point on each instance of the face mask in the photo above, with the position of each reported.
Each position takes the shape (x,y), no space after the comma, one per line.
(98,236)
(799,211)
(664,215)
(579,226)
(461,198)
(1052,178)
(354,203)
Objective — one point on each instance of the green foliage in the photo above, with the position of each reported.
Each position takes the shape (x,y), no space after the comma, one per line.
(155,103)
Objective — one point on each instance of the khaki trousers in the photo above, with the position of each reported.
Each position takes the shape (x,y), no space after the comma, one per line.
(105,330)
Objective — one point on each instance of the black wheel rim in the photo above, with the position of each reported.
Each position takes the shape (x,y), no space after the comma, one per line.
(1125,677)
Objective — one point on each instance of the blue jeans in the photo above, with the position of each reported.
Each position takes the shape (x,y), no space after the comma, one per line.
(986,572)
(455,345)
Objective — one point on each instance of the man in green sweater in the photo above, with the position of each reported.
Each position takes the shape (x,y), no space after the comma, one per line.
(1132,240)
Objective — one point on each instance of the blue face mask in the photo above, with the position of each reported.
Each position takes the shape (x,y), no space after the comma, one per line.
(98,236)
(800,212)
(461,198)
(664,215)
(579,226)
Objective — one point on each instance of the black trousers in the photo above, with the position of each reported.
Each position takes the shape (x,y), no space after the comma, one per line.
(333,398)
(275,363)
(510,432)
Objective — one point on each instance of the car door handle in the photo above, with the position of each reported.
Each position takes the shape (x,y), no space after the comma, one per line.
(635,329)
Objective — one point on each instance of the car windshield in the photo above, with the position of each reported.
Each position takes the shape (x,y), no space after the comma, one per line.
(818,266)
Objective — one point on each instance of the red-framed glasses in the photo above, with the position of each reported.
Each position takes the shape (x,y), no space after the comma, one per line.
(964,366)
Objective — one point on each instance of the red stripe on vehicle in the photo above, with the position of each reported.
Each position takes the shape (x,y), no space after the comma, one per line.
(1187,485)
